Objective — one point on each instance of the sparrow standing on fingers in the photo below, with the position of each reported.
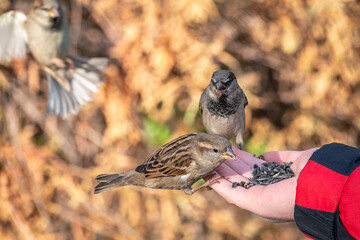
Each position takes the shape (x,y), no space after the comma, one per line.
(45,33)
(222,106)
(177,165)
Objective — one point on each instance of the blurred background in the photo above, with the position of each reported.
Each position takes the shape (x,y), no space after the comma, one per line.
(297,61)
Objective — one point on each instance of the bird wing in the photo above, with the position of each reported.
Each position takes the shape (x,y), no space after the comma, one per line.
(173,159)
(246,100)
(13,37)
(201,102)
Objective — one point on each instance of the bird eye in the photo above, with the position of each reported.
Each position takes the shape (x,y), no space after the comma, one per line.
(215,150)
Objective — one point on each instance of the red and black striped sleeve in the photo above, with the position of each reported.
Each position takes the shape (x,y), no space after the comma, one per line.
(327,204)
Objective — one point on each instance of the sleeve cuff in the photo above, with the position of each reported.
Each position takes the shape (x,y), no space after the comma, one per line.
(319,190)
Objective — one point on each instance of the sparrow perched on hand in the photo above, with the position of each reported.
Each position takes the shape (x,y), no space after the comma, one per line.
(177,165)
(45,33)
(222,106)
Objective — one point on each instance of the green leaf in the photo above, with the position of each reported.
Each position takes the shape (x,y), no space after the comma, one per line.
(198,183)
(255,147)
(156,133)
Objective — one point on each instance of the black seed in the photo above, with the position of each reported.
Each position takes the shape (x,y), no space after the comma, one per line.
(265,164)
(288,164)
(254,182)
(276,175)
(267,182)
(272,167)
(257,174)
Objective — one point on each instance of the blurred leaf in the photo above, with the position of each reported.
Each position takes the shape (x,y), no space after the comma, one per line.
(39,140)
(198,183)
(156,133)
(255,147)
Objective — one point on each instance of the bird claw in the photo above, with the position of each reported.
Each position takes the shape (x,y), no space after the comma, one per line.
(71,65)
(207,184)
(67,63)
(58,62)
(189,191)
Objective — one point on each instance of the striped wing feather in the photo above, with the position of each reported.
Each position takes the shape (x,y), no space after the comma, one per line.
(171,159)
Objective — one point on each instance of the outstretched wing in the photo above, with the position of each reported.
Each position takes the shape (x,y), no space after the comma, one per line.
(13,36)
(170,160)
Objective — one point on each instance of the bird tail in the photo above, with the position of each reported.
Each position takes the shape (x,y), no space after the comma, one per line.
(72,86)
(110,181)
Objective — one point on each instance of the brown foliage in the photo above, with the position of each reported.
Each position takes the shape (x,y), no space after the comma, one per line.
(297,61)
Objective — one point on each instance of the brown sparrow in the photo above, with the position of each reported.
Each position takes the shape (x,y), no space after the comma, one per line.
(222,106)
(45,33)
(177,165)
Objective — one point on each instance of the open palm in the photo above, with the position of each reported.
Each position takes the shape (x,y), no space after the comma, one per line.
(274,202)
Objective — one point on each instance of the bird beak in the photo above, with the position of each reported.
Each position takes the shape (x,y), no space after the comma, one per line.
(54,13)
(229,154)
(220,89)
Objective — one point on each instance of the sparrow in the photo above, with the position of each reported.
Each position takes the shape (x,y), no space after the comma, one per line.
(45,34)
(177,165)
(222,107)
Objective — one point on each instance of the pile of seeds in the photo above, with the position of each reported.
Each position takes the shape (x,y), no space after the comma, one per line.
(268,173)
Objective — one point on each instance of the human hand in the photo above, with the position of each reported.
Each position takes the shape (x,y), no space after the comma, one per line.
(274,202)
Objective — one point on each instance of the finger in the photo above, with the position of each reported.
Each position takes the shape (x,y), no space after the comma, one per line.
(246,157)
(279,156)
(229,174)
(274,201)
(224,188)
(245,198)
(240,167)
(286,156)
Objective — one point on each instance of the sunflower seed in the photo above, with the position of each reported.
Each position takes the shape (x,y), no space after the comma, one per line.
(268,173)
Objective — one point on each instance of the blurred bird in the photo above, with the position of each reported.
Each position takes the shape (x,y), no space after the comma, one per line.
(177,165)
(45,32)
(222,106)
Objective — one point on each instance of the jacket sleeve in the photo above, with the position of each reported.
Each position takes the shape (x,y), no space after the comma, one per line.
(327,204)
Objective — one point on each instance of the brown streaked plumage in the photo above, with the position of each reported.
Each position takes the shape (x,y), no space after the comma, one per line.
(222,106)
(176,165)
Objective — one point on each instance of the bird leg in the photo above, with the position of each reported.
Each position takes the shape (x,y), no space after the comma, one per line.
(71,65)
(58,62)
(67,63)
(208,184)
